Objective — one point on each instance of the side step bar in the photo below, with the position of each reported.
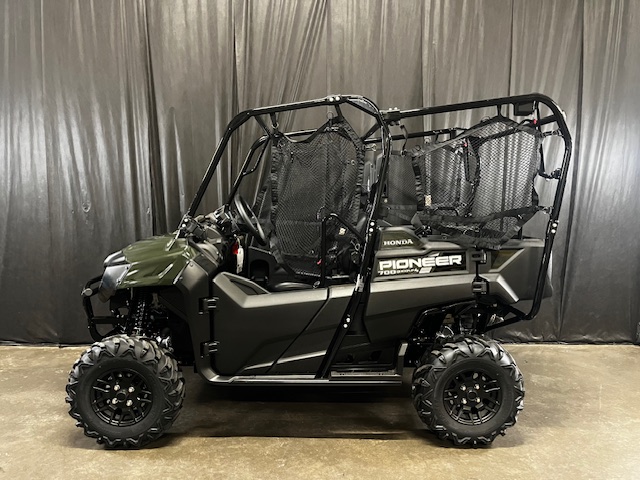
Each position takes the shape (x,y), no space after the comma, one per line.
(371,379)
(337,378)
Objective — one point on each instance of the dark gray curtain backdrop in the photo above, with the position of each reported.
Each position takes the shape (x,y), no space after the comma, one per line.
(110,111)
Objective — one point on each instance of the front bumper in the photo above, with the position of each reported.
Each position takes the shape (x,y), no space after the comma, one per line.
(92,288)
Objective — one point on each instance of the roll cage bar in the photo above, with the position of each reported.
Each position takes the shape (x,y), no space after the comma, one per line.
(359,102)
(529,103)
(354,314)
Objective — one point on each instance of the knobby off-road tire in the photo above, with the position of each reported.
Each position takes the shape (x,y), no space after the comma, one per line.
(125,391)
(468,390)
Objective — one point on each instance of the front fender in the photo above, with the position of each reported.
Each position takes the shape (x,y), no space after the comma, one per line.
(155,261)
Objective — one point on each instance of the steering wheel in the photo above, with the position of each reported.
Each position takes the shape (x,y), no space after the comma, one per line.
(249,219)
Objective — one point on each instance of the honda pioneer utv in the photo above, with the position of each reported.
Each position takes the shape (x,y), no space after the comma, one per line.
(340,254)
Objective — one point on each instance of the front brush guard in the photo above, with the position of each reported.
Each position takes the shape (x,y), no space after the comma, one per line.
(90,290)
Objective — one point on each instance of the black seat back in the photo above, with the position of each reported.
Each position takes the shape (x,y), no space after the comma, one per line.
(479,186)
(310,179)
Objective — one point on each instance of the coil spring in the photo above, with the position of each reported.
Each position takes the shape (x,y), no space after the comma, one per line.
(141,314)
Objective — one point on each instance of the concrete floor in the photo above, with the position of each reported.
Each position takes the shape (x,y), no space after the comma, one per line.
(581,420)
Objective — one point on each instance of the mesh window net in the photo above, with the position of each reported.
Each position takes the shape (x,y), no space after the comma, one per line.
(309,180)
(477,188)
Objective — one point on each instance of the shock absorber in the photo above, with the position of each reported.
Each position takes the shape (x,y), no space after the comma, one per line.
(140,317)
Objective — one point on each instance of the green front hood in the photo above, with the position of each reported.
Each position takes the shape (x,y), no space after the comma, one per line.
(152,263)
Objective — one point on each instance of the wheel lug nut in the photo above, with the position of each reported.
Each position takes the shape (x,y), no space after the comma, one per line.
(131,389)
(116,387)
(464,401)
(129,403)
(478,400)
(114,401)
(463,388)
(477,386)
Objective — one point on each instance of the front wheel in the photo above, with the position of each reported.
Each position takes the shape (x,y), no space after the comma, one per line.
(125,391)
(468,391)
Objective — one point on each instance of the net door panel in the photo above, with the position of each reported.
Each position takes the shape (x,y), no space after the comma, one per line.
(311,179)
(479,186)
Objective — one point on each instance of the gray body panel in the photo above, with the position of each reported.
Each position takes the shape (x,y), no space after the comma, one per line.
(257,332)
(290,331)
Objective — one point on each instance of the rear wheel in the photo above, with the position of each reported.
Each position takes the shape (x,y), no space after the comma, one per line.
(468,391)
(125,391)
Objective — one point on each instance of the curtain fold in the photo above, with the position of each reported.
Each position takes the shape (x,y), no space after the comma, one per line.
(269,35)
(110,111)
(192,69)
(603,264)
(546,40)
(24,193)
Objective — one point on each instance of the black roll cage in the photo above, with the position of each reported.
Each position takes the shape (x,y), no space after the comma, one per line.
(354,314)
(531,102)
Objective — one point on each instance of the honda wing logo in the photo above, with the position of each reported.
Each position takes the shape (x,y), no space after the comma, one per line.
(420,265)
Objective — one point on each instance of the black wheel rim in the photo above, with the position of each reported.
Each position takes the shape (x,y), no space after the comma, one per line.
(121,397)
(472,397)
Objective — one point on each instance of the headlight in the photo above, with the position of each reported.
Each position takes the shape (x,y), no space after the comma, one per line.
(111,278)
(116,258)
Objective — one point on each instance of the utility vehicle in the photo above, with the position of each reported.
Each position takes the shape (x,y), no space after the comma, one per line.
(339,255)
